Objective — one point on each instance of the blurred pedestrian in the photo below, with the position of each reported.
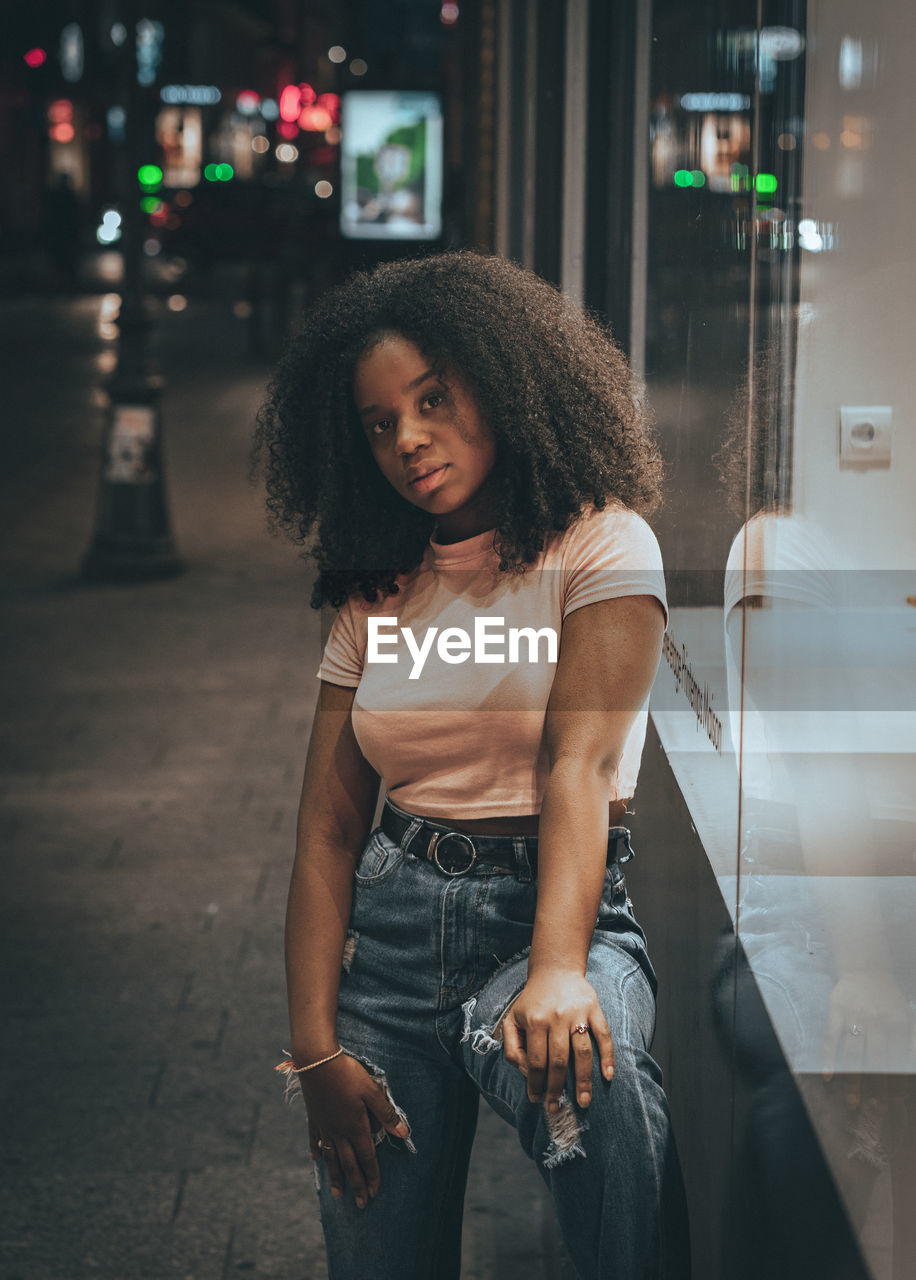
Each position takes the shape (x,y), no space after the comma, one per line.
(465,453)
(63,224)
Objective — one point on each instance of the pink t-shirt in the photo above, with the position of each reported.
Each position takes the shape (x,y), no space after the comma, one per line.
(453,673)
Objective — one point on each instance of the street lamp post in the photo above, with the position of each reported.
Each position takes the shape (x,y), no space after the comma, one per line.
(132,537)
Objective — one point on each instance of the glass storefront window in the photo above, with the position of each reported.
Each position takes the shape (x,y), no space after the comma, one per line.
(778,360)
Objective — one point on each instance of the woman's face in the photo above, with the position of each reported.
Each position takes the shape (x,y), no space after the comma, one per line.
(427,435)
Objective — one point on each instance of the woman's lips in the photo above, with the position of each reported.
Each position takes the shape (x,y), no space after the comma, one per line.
(432,478)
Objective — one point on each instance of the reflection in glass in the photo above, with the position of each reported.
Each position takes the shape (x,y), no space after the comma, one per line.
(779,297)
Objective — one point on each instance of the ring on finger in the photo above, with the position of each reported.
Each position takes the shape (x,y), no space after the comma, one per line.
(580,1029)
(326,1146)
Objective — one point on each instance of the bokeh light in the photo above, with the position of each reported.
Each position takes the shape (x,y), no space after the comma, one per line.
(260,144)
(247,102)
(177,302)
(448,14)
(337,53)
(149,176)
(109,310)
(359,67)
(109,230)
(152,247)
(323,190)
(315,119)
(290,103)
(287,153)
(35,58)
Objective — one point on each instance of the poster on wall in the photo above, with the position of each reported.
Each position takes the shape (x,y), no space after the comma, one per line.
(391,165)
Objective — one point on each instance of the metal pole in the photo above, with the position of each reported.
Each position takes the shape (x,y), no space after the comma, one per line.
(132,538)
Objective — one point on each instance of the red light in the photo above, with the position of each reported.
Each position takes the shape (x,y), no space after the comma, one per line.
(322,156)
(61,111)
(290,103)
(61,132)
(331,104)
(35,58)
(315,119)
(248,100)
(287,128)
(307,95)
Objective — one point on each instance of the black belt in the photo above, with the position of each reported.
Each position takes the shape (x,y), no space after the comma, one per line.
(456,852)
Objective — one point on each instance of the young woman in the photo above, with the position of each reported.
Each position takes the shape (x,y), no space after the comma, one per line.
(464,452)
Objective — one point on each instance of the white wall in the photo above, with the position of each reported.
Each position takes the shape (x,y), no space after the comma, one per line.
(857,340)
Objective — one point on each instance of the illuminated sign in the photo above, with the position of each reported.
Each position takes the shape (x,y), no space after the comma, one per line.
(391,165)
(715,101)
(197,95)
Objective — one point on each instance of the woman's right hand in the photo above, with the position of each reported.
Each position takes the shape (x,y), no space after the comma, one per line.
(346,1108)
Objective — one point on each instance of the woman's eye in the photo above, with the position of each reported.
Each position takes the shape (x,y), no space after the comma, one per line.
(378,428)
(434,400)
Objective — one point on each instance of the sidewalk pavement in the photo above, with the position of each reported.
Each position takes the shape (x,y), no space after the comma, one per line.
(152,741)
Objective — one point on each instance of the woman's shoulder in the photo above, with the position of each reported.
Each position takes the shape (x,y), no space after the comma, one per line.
(613,533)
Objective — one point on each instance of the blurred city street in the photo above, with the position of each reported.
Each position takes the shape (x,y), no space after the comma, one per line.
(153,737)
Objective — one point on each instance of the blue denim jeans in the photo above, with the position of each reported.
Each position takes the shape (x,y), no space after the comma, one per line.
(431,964)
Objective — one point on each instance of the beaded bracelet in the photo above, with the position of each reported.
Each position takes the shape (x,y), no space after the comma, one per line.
(290,1067)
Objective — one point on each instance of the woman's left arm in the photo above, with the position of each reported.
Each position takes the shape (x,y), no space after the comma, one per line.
(609,653)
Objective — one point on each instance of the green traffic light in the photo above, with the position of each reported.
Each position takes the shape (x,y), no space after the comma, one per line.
(766,184)
(683,178)
(149,175)
(225,172)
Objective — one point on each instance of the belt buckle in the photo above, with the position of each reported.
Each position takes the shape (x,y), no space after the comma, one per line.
(432,852)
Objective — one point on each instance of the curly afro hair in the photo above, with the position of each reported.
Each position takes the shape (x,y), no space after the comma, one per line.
(554,389)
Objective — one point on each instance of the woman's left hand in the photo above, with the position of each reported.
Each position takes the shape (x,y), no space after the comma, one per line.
(539,1036)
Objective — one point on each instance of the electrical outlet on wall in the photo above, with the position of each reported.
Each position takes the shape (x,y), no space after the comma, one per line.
(866,435)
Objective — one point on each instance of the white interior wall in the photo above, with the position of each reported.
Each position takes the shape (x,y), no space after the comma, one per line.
(857,339)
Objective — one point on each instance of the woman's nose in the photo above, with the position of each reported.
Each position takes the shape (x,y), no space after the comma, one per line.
(412,434)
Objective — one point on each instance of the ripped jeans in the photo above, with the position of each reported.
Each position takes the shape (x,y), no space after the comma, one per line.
(430,966)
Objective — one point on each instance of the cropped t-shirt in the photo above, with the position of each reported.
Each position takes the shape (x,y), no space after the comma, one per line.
(453,672)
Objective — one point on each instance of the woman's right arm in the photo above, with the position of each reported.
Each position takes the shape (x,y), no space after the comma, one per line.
(338,799)
(339,793)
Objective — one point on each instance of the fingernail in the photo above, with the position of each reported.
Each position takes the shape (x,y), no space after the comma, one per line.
(401,1129)
(584,1097)
(609,1073)
(360,1202)
(336,1193)
(553,1107)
